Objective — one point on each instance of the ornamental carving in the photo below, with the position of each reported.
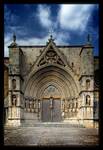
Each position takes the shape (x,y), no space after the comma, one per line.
(14,84)
(88,100)
(14,100)
(51,57)
(32,104)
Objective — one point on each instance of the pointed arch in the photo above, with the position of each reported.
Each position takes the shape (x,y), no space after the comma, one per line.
(52,74)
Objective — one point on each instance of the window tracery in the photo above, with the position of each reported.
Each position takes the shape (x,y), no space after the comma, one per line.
(51,57)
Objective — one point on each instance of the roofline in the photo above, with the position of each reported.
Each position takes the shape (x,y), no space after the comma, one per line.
(96,57)
(31,46)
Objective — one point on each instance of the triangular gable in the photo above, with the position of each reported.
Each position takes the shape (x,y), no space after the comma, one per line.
(51,55)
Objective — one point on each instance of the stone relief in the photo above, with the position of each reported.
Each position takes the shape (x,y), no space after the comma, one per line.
(14,69)
(51,91)
(88,100)
(14,84)
(14,100)
(87,84)
(31,105)
(69,108)
(51,57)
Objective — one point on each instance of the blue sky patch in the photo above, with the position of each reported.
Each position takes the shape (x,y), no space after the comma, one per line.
(32,24)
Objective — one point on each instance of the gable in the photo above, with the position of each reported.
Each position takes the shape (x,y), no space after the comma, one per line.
(51,55)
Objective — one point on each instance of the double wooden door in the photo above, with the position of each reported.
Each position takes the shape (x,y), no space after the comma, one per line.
(51,110)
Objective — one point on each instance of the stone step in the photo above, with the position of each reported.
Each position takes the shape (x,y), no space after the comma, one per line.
(51,125)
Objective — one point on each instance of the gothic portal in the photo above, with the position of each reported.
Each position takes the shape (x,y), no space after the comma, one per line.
(50,83)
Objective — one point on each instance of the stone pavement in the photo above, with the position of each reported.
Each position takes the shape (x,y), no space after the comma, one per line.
(50,136)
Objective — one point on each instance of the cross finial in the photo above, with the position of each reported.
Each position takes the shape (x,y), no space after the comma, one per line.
(89,38)
(14,38)
(51,33)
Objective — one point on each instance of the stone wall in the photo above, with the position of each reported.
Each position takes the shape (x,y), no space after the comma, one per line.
(79,60)
(31,54)
(5,81)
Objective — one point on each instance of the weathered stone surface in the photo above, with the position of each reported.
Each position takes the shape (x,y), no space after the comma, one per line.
(37,68)
(51,136)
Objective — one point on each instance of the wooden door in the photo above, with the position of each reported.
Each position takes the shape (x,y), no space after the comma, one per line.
(51,114)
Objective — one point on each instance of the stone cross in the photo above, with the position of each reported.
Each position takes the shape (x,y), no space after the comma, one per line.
(89,38)
(14,38)
(51,33)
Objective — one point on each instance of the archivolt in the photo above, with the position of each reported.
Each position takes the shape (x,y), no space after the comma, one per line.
(51,74)
(47,78)
(41,92)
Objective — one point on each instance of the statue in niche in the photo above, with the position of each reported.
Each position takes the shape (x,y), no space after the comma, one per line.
(25,104)
(72,65)
(88,100)
(87,84)
(30,104)
(66,107)
(63,105)
(76,104)
(63,114)
(34,105)
(39,105)
(51,102)
(38,108)
(14,100)
(10,68)
(14,84)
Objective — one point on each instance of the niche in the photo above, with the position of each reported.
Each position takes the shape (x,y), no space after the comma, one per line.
(87,84)
(88,100)
(14,100)
(13,83)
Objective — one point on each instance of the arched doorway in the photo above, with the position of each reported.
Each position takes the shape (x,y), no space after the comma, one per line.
(53,89)
(51,105)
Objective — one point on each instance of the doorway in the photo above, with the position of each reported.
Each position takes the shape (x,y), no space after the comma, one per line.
(51,110)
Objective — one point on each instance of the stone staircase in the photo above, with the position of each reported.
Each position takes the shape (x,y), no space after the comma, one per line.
(51,124)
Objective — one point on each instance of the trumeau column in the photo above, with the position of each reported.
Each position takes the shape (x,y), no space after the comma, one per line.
(15,101)
(87,85)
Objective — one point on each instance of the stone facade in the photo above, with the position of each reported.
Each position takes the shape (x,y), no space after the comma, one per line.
(5,81)
(52,83)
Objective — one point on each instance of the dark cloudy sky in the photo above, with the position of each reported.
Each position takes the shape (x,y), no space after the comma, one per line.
(32,24)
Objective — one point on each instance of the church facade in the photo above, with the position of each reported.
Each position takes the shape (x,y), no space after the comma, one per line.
(51,83)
